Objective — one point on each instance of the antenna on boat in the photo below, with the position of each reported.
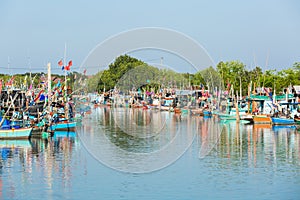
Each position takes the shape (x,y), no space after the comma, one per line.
(266,65)
(8,66)
(29,65)
(66,87)
(65,55)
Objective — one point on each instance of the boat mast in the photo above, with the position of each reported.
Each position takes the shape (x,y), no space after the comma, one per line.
(66,87)
(49,86)
(65,55)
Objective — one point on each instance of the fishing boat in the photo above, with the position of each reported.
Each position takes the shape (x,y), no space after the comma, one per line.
(224,116)
(21,133)
(282,121)
(207,113)
(177,110)
(297,119)
(63,126)
(247,117)
(197,112)
(262,119)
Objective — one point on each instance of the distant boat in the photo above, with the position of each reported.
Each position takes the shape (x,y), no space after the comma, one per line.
(197,112)
(247,117)
(282,121)
(262,119)
(177,110)
(207,113)
(63,126)
(297,120)
(223,116)
(21,133)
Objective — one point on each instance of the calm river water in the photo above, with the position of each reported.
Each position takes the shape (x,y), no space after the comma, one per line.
(137,154)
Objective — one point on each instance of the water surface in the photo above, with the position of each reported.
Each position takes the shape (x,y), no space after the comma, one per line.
(183,158)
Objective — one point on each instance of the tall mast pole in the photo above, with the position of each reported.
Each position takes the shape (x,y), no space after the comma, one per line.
(66,88)
(8,67)
(49,86)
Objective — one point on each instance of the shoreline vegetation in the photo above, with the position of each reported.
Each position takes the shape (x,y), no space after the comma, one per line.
(226,74)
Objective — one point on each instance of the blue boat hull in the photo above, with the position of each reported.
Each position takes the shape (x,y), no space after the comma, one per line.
(63,126)
(207,113)
(282,121)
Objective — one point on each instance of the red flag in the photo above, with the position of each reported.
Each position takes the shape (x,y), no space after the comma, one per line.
(60,63)
(67,68)
(10,82)
(84,72)
(70,63)
(38,95)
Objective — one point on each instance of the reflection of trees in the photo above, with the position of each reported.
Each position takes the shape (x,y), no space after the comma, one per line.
(137,130)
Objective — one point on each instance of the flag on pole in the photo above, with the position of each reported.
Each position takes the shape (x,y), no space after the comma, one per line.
(10,81)
(60,63)
(70,63)
(68,68)
(84,72)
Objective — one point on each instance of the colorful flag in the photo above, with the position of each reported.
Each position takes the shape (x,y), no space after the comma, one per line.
(25,80)
(58,83)
(10,81)
(60,63)
(70,63)
(84,72)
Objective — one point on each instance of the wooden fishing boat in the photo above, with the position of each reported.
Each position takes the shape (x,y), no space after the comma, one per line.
(223,116)
(21,133)
(165,108)
(184,111)
(63,126)
(197,112)
(248,118)
(262,119)
(297,119)
(177,110)
(282,121)
(207,113)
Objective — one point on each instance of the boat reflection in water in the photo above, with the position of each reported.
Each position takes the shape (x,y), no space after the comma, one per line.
(204,157)
(35,158)
(260,144)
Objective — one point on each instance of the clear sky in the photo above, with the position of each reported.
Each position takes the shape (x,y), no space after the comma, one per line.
(265,33)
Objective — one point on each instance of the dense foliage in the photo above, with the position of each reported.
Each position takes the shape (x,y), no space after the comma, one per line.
(130,73)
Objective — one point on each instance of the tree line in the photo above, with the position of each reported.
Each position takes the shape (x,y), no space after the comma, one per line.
(127,73)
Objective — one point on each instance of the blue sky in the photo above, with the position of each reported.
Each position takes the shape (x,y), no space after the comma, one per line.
(250,31)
